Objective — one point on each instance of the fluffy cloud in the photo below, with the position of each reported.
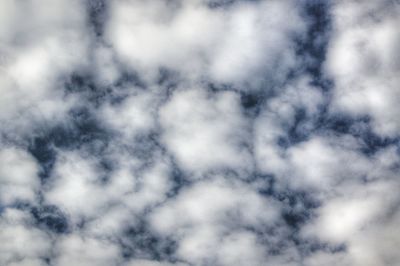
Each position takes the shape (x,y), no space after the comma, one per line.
(209,220)
(17,231)
(85,251)
(239,44)
(278,118)
(19,176)
(75,181)
(363,60)
(47,40)
(204,132)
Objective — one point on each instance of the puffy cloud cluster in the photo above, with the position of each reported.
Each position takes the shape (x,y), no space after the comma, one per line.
(243,43)
(214,215)
(22,243)
(18,172)
(204,132)
(363,59)
(40,42)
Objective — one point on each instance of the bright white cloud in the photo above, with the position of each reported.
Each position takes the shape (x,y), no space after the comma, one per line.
(83,251)
(15,231)
(76,181)
(19,179)
(48,40)
(206,132)
(239,44)
(364,62)
(276,118)
(205,219)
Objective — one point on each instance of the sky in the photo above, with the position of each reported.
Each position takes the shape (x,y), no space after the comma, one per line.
(199,132)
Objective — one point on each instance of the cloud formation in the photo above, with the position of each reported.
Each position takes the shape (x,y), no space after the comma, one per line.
(204,132)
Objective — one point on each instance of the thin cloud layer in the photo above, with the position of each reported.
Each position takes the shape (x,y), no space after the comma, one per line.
(204,132)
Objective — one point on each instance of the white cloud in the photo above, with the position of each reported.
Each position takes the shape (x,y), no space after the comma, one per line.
(205,217)
(206,132)
(47,41)
(320,164)
(19,179)
(21,243)
(256,43)
(151,186)
(276,118)
(364,63)
(362,217)
(82,251)
(228,45)
(109,205)
(156,34)
(135,115)
(76,180)
(205,141)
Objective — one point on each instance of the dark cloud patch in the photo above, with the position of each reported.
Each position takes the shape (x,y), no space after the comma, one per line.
(98,14)
(179,181)
(312,48)
(309,246)
(42,148)
(215,4)
(130,78)
(299,130)
(21,205)
(85,129)
(214,87)
(220,3)
(298,207)
(295,218)
(139,241)
(82,130)
(50,218)
(85,87)
(252,102)
(359,127)
(145,145)
(167,78)
(373,143)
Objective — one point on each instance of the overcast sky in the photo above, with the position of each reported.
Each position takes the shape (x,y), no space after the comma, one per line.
(199,133)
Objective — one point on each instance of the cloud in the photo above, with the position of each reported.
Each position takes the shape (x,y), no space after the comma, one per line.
(15,232)
(213,217)
(75,181)
(234,45)
(85,251)
(47,41)
(19,176)
(204,132)
(363,62)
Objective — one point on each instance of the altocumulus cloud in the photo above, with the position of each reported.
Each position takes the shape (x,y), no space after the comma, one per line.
(199,132)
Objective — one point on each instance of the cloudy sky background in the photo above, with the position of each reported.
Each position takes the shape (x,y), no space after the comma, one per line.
(199,132)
